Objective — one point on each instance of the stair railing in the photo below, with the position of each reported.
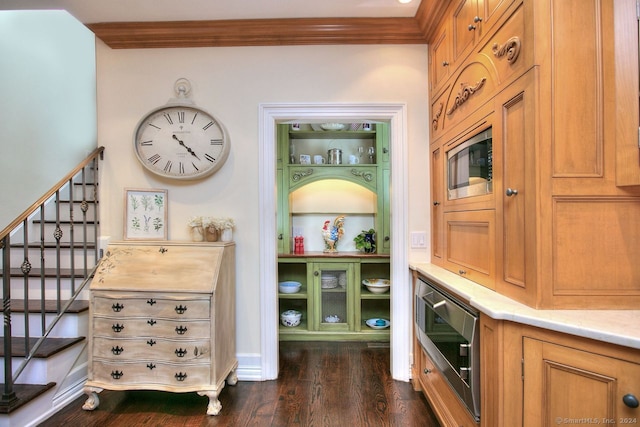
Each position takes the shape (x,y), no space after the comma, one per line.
(18,235)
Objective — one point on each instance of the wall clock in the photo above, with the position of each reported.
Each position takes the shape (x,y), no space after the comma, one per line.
(179,140)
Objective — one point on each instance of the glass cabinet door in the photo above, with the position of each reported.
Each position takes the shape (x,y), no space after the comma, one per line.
(333,296)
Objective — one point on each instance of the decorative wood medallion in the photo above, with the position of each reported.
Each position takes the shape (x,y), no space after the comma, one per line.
(511,49)
(465,92)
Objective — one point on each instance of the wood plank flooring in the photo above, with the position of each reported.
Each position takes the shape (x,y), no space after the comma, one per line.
(320,384)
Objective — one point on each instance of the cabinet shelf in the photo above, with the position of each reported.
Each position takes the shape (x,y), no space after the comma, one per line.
(344,134)
(297,295)
(365,294)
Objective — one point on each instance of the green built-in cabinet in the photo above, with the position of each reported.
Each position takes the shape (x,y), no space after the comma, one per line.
(372,172)
(350,303)
(332,311)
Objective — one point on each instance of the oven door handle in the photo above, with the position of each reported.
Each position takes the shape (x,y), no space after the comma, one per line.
(438,304)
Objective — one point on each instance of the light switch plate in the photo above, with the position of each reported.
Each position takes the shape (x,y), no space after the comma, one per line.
(418,239)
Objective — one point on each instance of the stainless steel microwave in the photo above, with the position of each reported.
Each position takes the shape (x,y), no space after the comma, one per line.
(470,167)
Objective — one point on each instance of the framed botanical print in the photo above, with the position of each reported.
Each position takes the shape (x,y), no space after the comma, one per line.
(145,214)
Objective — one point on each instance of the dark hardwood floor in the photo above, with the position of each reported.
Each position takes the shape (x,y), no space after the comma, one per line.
(320,384)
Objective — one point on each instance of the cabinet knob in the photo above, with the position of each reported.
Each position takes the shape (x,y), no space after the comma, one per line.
(471,27)
(445,63)
(511,192)
(630,400)
(462,271)
(316,273)
(427,371)
(387,238)
(436,203)
(477,19)
(280,237)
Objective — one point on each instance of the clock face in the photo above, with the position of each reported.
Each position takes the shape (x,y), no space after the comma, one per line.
(181,142)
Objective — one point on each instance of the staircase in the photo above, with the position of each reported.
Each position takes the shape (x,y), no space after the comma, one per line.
(48,256)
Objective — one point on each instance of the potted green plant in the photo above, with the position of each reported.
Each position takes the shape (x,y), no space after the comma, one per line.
(365,241)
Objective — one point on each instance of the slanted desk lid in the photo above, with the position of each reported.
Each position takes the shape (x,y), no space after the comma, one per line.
(160,266)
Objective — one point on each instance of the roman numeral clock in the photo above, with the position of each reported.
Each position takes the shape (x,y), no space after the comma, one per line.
(179,140)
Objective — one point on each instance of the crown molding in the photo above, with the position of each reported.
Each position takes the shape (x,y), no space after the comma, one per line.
(259,32)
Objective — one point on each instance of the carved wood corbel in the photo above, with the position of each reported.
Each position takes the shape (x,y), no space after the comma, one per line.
(465,92)
(511,49)
(436,117)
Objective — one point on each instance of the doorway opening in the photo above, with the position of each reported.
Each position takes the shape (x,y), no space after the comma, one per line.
(394,115)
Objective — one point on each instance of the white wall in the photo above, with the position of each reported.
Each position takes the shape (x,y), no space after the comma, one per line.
(47,106)
(231,83)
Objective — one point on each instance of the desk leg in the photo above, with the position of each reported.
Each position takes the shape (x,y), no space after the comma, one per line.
(92,401)
(214,406)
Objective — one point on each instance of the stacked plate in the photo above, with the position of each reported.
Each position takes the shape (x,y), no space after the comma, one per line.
(328,281)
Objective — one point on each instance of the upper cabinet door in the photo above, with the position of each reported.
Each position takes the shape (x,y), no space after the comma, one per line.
(467,25)
(440,58)
(626,91)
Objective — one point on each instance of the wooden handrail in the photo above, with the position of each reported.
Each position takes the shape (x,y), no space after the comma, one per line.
(16,222)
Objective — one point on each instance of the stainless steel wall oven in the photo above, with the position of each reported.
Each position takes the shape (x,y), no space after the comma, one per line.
(448,331)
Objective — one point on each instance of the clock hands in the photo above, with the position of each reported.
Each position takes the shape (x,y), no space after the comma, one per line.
(188,149)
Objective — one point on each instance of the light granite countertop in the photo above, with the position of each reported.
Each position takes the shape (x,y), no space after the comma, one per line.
(620,327)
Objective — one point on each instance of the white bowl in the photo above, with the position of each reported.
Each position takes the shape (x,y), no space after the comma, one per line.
(378,323)
(377,286)
(289,287)
(332,126)
(290,318)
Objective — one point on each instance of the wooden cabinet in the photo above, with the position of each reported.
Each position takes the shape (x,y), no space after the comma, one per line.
(333,302)
(470,245)
(598,385)
(437,205)
(443,401)
(559,90)
(549,378)
(162,317)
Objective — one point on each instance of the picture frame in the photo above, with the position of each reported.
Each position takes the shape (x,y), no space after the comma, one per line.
(145,214)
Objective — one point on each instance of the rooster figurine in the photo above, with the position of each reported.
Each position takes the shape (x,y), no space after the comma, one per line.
(332,233)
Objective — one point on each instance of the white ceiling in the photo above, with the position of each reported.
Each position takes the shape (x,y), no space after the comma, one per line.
(92,11)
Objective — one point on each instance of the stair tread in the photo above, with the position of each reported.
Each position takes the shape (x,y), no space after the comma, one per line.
(52,245)
(24,394)
(50,306)
(50,346)
(64,221)
(65,273)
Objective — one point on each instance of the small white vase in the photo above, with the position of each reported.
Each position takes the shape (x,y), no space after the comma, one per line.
(226,235)
(197,234)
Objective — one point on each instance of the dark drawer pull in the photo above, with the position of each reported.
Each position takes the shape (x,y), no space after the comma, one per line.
(116,375)
(180,352)
(151,342)
(117,327)
(117,307)
(151,322)
(117,350)
(181,309)
(151,301)
(181,330)
(151,366)
(181,376)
